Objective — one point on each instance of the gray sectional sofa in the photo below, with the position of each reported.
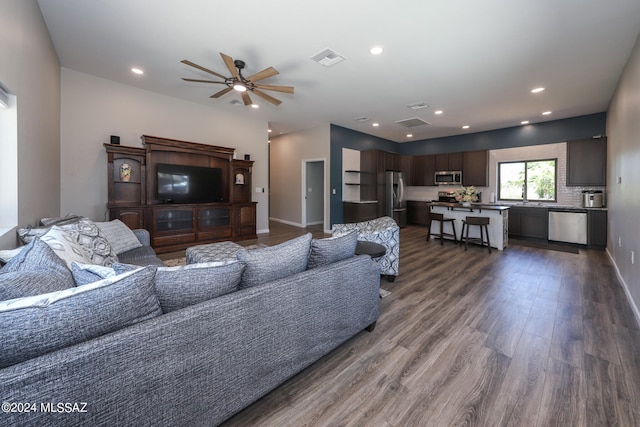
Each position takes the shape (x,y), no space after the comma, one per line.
(195,363)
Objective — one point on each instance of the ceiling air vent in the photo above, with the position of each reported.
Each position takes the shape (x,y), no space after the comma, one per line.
(362,119)
(412,122)
(418,106)
(328,57)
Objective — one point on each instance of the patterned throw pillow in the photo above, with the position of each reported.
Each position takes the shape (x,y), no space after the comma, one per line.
(35,270)
(119,236)
(274,262)
(332,249)
(41,324)
(26,235)
(96,247)
(65,246)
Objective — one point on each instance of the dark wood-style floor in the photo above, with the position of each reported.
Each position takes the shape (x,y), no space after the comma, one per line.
(521,337)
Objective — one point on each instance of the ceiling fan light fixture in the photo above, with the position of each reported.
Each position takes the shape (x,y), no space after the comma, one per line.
(240,87)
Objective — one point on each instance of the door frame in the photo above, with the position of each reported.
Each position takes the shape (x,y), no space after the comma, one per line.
(303,220)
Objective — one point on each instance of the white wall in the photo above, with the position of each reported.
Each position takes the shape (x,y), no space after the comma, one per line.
(287,153)
(30,70)
(623,133)
(95,108)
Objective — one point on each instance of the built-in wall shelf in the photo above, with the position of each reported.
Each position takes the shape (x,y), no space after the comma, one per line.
(352,171)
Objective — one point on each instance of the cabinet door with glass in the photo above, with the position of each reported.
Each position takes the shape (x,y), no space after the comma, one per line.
(214,222)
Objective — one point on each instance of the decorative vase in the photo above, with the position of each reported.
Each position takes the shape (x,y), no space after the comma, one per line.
(466,204)
(125,172)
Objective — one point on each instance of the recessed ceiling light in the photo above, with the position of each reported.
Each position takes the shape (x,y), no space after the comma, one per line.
(546,113)
(269,130)
(465,127)
(537,90)
(376,50)
(137,71)
(375,124)
(438,112)
(524,122)
(255,106)
(409,135)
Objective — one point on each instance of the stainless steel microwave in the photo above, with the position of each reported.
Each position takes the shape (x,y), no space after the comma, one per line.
(448,178)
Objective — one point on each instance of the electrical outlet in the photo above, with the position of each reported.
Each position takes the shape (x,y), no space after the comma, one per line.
(333,191)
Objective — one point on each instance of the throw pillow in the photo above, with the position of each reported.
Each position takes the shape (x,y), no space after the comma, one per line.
(182,286)
(119,236)
(26,235)
(274,262)
(84,274)
(37,325)
(65,246)
(7,254)
(332,249)
(96,247)
(62,220)
(35,270)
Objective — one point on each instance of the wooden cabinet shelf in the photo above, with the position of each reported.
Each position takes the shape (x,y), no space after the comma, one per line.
(132,190)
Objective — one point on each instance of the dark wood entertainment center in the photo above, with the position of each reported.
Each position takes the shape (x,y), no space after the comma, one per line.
(133,194)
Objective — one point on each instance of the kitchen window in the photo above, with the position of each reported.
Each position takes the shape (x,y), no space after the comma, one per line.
(530,180)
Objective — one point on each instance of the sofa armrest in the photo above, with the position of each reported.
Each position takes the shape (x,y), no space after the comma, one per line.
(143,236)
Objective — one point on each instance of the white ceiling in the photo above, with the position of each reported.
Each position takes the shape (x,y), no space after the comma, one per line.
(475,60)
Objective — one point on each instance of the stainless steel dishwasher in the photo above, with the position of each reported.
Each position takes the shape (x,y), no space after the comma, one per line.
(568,226)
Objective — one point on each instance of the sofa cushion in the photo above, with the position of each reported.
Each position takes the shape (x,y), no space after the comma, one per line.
(37,325)
(84,274)
(332,249)
(274,262)
(36,269)
(142,256)
(96,247)
(119,236)
(182,286)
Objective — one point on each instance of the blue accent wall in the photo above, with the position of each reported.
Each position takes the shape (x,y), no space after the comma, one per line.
(573,128)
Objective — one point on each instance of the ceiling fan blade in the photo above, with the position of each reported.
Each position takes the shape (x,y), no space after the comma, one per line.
(222,92)
(228,61)
(267,97)
(246,99)
(260,75)
(203,81)
(199,67)
(287,89)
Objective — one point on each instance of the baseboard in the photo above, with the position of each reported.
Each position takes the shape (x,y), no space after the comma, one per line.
(264,231)
(295,224)
(634,307)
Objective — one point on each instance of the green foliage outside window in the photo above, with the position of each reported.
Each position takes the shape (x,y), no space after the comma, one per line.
(527,180)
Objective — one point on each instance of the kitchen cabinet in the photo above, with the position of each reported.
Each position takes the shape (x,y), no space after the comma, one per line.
(597,228)
(406,167)
(357,212)
(529,222)
(587,162)
(417,213)
(424,168)
(449,162)
(475,168)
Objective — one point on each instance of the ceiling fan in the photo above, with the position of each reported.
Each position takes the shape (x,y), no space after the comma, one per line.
(242,84)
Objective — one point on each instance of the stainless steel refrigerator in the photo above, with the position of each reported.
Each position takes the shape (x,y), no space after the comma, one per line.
(395,204)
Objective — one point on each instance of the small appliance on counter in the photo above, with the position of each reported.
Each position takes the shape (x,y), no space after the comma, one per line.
(592,199)
(447,196)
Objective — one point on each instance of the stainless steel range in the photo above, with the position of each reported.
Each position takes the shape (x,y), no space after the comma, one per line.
(447,196)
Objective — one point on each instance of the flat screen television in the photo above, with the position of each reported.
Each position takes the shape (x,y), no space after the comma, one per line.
(189,184)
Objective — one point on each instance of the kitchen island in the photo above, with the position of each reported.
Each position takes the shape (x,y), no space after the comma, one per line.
(498,220)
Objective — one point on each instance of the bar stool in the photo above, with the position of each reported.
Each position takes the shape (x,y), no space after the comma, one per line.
(480,221)
(442,220)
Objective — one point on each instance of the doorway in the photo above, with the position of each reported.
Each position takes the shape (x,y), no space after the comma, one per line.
(313,193)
